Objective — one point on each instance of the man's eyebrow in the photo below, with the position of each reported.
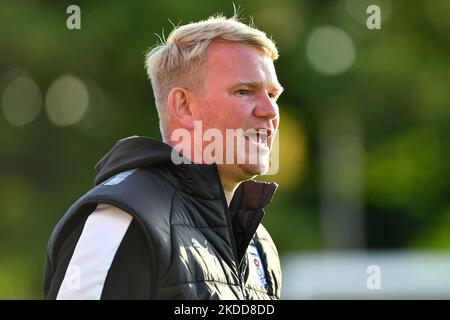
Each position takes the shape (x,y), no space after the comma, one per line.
(258,84)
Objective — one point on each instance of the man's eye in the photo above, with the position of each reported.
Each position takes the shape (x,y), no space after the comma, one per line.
(243,92)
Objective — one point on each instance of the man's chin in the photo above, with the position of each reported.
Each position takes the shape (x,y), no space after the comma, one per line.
(253,170)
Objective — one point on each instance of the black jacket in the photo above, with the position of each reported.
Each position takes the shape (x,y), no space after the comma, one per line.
(184,241)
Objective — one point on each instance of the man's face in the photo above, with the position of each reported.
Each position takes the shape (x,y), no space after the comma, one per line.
(241,90)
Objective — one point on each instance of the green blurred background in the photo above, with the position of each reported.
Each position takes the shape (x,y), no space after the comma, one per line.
(364,132)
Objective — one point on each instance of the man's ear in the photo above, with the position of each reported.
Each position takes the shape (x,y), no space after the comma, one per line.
(181,106)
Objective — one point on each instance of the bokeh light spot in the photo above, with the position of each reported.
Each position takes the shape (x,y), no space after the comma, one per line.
(330,50)
(67,100)
(21,101)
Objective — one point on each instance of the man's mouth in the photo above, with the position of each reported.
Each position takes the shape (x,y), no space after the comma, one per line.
(259,137)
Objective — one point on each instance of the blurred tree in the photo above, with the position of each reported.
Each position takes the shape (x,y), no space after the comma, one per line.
(396,84)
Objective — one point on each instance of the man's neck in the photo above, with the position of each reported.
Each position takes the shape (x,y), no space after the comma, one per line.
(229,196)
(229,190)
(229,186)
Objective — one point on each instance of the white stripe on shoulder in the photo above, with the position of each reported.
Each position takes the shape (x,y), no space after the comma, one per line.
(101,236)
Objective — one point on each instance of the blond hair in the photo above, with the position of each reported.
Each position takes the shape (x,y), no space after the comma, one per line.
(177,61)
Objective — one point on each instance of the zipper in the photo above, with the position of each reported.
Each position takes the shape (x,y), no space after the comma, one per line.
(242,277)
(243,286)
(239,272)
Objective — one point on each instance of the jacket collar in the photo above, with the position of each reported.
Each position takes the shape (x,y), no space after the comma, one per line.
(203,181)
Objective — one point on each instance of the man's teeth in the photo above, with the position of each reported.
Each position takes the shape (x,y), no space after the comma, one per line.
(260,137)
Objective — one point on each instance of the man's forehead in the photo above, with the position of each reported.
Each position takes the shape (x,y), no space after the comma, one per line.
(227,52)
(241,61)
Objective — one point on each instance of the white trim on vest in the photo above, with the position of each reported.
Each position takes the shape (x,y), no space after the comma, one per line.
(101,236)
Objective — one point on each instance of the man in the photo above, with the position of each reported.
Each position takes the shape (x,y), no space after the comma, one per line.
(152,228)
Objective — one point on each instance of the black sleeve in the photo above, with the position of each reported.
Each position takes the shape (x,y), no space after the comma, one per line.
(129,274)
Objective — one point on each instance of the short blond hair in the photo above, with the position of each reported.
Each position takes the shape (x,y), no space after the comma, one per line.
(178,60)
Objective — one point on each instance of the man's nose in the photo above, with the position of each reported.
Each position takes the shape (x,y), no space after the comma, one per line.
(266,108)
